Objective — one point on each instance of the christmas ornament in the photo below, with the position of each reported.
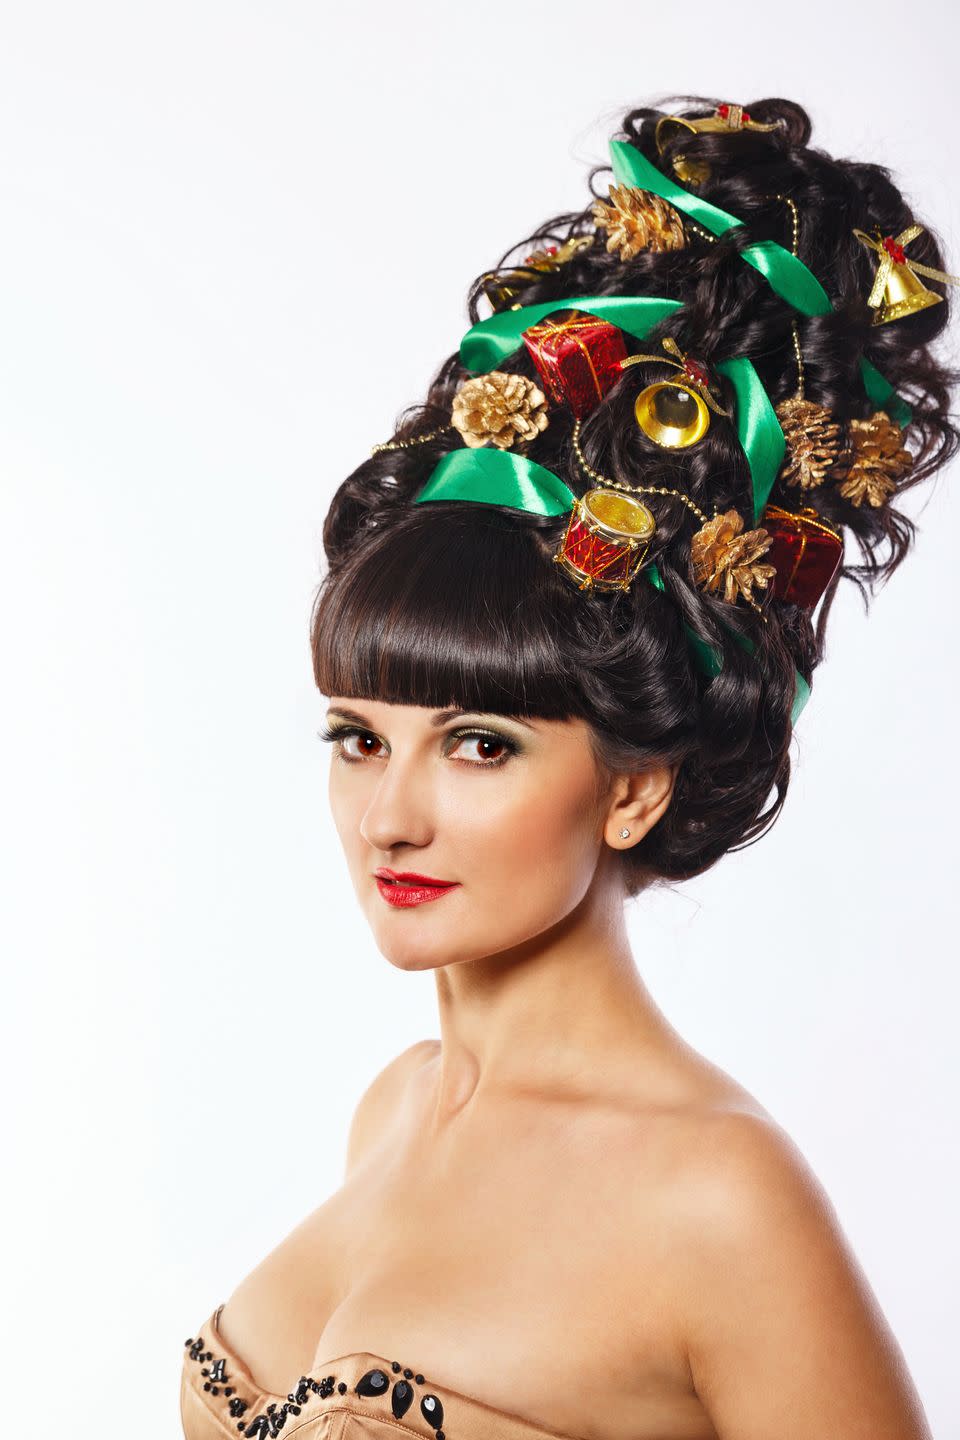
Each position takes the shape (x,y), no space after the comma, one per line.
(501,289)
(499,409)
(805,553)
(726,117)
(896,290)
(577,357)
(725,555)
(606,539)
(813,441)
(874,461)
(636,220)
(811,434)
(675,413)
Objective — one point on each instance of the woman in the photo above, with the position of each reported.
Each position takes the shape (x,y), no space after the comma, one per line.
(588,565)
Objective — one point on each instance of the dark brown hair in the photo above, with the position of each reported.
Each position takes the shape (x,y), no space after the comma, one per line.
(452,603)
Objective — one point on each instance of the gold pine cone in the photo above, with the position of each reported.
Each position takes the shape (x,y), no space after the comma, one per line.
(499,409)
(813,441)
(876,459)
(721,555)
(638,220)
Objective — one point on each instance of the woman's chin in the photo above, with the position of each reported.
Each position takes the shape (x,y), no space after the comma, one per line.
(419,949)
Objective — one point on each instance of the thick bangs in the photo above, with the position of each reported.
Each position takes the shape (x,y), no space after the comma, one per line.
(450,604)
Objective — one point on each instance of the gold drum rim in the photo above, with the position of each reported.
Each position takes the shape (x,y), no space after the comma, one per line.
(617,515)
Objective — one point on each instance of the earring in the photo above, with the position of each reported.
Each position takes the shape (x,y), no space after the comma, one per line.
(624,834)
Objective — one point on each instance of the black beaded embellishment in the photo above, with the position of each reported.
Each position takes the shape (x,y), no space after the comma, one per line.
(268,1423)
(377,1382)
(216,1376)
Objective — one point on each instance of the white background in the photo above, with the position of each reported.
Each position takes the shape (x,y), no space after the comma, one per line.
(236,242)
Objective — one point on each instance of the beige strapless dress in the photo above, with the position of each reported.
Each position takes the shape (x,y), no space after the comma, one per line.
(360,1396)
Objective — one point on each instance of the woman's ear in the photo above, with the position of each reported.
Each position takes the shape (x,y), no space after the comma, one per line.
(638,800)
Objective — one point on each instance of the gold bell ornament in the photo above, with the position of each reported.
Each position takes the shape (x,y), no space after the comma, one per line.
(897,291)
(724,118)
(675,413)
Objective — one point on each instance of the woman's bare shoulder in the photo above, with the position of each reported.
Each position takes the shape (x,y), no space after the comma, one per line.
(779,1315)
(379,1101)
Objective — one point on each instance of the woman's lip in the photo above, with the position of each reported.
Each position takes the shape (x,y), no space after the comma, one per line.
(410,877)
(405,893)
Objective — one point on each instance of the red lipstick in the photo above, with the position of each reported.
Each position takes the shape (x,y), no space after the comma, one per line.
(406,887)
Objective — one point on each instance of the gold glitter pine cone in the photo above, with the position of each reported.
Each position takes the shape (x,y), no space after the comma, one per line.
(499,409)
(722,555)
(813,441)
(638,220)
(875,460)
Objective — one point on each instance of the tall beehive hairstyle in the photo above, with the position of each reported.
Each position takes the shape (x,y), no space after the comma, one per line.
(680,416)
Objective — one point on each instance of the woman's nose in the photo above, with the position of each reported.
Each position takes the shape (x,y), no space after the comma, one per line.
(399,808)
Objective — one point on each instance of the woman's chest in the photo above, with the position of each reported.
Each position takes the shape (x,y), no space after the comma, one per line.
(540,1286)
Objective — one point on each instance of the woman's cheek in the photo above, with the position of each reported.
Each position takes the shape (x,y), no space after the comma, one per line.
(550,838)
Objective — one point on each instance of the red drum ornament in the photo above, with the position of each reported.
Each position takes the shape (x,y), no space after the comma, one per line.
(806,552)
(607,538)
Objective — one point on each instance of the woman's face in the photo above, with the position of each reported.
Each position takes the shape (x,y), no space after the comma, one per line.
(508,810)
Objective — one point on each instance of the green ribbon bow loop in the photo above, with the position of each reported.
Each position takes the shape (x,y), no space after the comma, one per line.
(492,340)
(498,477)
(785,273)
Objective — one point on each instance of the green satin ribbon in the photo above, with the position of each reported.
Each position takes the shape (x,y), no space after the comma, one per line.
(784,272)
(758,428)
(492,340)
(498,477)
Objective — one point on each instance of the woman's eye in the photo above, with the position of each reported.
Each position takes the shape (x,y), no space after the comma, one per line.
(485,744)
(484,741)
(365,744)
(340,734)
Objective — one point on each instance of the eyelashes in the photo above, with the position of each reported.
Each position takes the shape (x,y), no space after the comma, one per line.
(338,733)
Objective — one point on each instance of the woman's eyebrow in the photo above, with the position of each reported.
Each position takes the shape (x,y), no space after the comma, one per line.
(440,717)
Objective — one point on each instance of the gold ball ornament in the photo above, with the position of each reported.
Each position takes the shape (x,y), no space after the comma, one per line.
(671,414)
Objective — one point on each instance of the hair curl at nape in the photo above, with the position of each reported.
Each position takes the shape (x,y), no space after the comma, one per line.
(451,603)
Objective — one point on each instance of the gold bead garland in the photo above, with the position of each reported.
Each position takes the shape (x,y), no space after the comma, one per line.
(406,444)
(622,485)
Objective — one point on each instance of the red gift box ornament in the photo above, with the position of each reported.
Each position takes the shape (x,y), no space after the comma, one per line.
(577,357)
(806,552)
